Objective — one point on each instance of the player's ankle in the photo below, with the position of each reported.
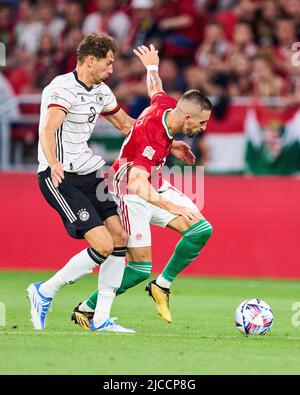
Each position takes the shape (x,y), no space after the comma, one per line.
(162,283)
(85,308)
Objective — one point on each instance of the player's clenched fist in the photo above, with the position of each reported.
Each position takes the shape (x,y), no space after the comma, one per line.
(57,173)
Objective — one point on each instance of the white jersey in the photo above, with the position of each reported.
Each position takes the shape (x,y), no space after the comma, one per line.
(82,106)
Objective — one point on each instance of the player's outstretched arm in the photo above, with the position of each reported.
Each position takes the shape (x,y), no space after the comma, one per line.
(150,59)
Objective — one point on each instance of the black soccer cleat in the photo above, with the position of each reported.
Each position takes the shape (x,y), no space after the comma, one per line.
(82,318)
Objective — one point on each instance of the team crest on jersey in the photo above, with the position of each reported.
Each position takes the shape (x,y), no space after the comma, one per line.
(148,152)
(83,214)
(139,236)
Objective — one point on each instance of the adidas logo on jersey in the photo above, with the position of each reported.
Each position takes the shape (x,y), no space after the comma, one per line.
(82,99)
(148,152)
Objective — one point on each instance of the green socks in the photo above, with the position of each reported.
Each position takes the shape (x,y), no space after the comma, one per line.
(187,249)
(135,273)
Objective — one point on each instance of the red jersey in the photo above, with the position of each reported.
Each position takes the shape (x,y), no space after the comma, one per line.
(147,145)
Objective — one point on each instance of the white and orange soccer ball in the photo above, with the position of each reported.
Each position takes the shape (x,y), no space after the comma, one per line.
(253,317)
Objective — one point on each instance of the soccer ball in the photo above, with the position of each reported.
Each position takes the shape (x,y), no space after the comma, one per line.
(253,317)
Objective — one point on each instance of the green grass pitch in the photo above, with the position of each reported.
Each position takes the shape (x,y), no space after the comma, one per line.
(201,340)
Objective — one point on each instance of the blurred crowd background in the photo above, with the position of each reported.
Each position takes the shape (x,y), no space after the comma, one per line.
(229,49)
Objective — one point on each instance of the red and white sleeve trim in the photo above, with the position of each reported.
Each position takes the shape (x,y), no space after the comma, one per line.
(58,106)
(112,111)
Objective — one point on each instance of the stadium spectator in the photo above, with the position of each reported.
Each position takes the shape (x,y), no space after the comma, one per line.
(7,33)
(242,10)
(158,21)
(240,68)
(214,42)
(212,81)
(46,67)
(34,22)
(74,16)
(173,79)
(209,45)
(133,88)
(67,55)
(181,27)
(265,81)
(21,72)
(143,29)
(132,91)
(243,40)
(7,93)
(27,28)
(265,21)
(107,19)
(48,22)
(285,32)
(291,8)
(215,6)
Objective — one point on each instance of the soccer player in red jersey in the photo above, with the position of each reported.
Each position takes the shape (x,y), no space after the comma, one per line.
(144,198)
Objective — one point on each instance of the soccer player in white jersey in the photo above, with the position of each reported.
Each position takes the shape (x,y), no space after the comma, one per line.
(67,175)
(142,202)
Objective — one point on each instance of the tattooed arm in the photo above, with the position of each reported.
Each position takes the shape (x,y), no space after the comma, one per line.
(150,59)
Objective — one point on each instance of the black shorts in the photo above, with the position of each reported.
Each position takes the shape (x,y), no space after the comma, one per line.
(83,202)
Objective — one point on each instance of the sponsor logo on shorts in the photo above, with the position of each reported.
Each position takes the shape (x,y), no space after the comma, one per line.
(83,214)
(139,236)
(148,152)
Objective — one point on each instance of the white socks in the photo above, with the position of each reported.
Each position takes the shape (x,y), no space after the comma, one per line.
(77,267)
(85,308)
(109,280)
(162,282)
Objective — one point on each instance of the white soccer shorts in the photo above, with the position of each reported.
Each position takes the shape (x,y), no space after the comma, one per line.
(137,214)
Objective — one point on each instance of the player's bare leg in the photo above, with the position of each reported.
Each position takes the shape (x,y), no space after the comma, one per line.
(100,240)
